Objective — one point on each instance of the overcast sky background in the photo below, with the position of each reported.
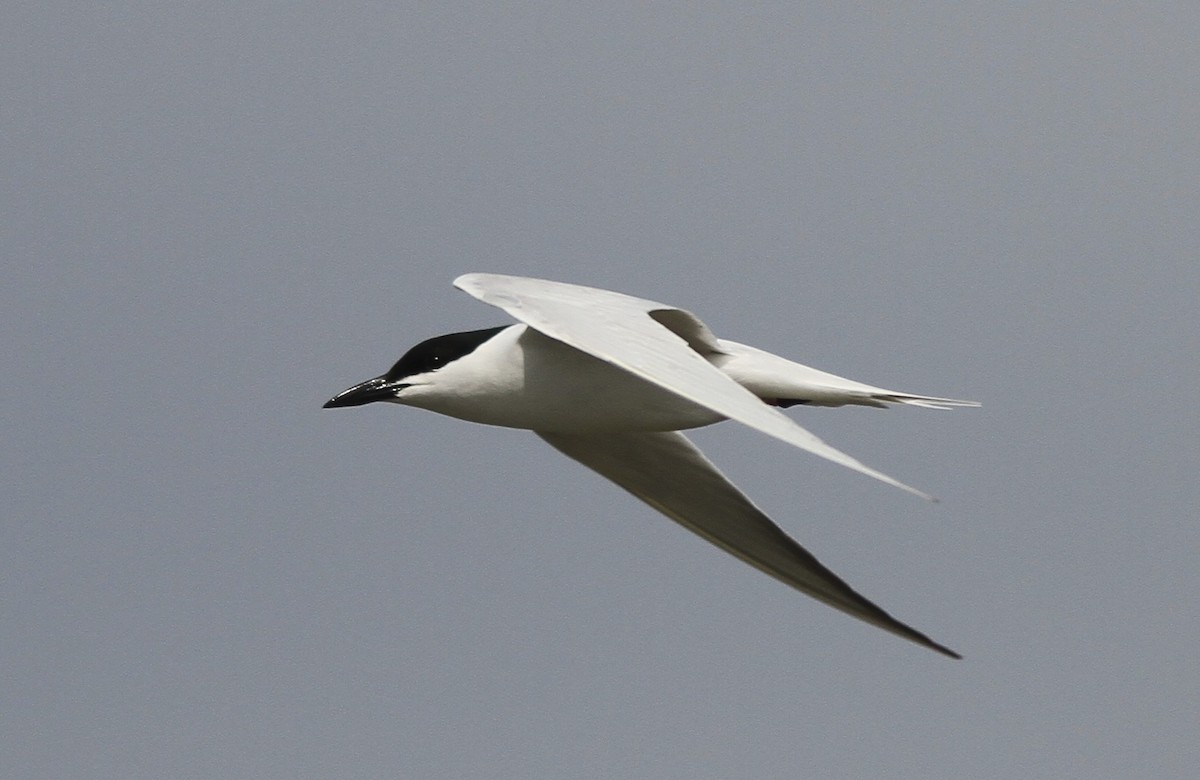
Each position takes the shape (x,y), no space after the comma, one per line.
(215,216)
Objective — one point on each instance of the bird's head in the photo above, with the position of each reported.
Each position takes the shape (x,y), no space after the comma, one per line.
(418,368)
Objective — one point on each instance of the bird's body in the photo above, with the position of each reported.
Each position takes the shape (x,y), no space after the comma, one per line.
(519,378)
(609,380)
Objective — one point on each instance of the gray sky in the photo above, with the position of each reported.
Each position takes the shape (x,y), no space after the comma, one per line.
(214,217)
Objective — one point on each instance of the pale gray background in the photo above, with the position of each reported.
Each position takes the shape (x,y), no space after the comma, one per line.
(215,216)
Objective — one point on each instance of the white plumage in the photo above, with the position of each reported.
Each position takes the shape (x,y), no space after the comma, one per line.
(610,380)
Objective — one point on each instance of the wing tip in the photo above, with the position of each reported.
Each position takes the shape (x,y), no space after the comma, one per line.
(464,281)
(944,650)
(884,478)
(925,641)
(889,623)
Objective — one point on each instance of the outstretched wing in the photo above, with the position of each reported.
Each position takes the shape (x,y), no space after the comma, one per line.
(670,474)
(658,343)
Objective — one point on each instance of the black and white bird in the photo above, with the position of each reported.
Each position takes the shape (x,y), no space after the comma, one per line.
(610,380)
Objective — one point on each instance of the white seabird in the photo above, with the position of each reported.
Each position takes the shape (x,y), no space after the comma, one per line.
(610,380)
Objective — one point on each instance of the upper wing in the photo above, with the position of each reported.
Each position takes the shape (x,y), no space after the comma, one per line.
(670,474)
(659,343)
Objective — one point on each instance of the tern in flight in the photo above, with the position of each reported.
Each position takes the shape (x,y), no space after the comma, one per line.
(610,380)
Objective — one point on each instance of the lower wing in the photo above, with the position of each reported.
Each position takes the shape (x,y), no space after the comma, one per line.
(669,473)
